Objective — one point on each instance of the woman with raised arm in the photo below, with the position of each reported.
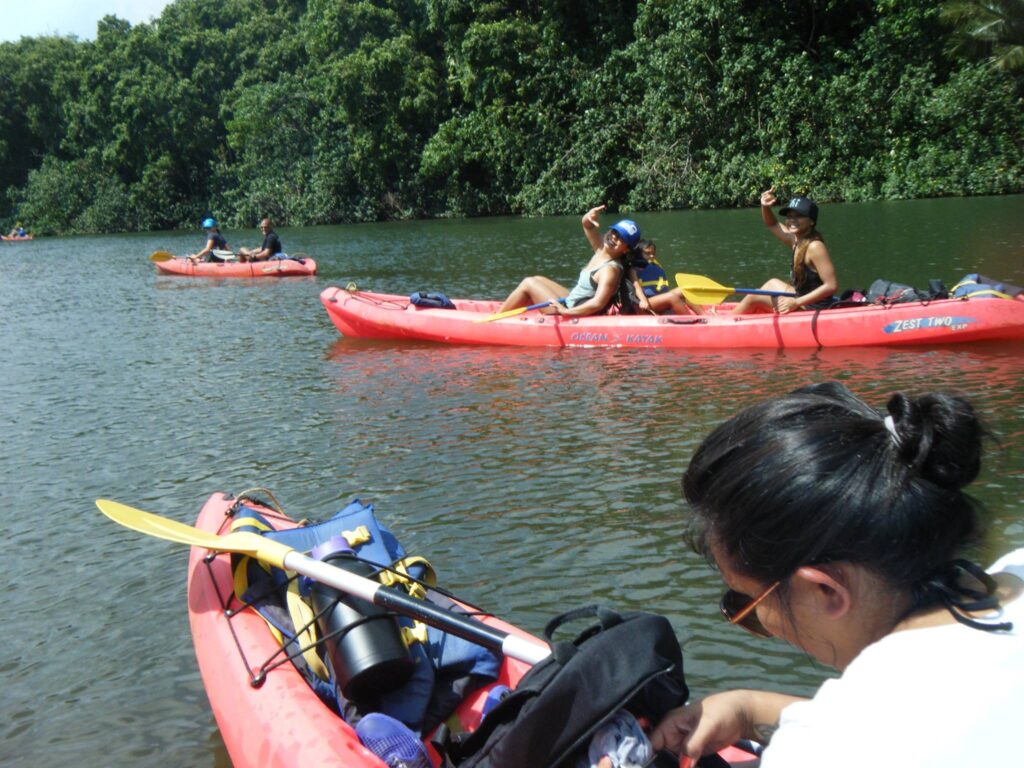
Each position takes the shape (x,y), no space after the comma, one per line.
(812,277)
(599,279)
(842,530)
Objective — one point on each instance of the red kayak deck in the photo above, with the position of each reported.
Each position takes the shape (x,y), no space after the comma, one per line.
(385,316)
(282,723)
(271,268)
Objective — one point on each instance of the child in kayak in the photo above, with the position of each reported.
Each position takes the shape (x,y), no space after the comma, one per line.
(651,286)
(841,530)
(812,276)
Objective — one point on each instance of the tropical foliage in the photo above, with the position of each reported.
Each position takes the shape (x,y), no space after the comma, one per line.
(323,111)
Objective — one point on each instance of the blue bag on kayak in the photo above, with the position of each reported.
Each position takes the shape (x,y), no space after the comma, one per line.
(975,286)
(434,300)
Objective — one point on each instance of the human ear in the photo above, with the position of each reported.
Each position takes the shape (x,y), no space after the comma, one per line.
(827,589)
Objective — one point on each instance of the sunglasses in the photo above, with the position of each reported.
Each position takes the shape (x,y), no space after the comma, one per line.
(741,610)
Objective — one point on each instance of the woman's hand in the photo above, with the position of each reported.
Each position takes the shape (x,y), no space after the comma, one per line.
(768,198)
(590,218)
(785,305)
(704,727)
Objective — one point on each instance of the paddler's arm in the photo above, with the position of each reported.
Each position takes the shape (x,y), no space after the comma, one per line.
(592,227)
(768,217)
(719,720)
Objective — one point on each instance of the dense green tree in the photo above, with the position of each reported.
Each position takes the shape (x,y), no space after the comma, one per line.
(315,111)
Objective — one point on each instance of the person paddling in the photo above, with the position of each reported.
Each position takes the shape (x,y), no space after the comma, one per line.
(812,276)
(842,531)
(214,242)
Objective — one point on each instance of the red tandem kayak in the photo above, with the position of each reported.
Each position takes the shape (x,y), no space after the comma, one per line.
(16,238)
(271,268)
(383,316)
(282,722)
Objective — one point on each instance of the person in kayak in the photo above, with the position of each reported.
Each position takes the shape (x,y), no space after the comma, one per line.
(271,245)
(841,531)
(651,286)
(812,276)
(17,231)
(214,242)
(599,279)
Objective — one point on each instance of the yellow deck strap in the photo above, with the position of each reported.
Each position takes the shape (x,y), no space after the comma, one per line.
(982,291)
(399,574)
(417,633)
(305,628)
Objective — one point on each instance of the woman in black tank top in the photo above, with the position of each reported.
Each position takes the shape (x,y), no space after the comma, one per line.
(812,276)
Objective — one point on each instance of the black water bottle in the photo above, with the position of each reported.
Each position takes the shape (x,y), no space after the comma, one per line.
(368,653)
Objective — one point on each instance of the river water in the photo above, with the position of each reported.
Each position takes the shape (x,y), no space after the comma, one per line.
(534,479)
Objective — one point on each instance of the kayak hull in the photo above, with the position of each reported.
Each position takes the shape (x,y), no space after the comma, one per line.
(385,316)
(10,239)
(281,723)
(271,268)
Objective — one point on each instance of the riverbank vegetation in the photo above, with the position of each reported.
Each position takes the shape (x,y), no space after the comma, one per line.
(327,111)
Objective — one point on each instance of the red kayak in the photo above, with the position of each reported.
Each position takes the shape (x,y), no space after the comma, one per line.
(16,238)
(282,722)
(382,316)
(271,268)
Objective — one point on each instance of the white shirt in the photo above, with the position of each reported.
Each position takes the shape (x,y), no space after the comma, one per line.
(938,696)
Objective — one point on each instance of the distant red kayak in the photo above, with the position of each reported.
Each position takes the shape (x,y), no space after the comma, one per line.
(383,316)
(16,238)
(271,268)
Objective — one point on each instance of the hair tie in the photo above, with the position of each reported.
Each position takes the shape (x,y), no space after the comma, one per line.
(890,424)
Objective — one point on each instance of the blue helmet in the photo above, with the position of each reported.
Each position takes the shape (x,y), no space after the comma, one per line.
(628,230)
(209,223)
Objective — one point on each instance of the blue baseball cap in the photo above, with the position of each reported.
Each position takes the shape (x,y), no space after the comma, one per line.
(209,223)
(802,206)
(628,230)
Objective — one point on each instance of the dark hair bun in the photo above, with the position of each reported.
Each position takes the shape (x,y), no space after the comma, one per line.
(939,436)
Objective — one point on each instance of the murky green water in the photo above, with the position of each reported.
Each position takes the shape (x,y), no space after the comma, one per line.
(535,480)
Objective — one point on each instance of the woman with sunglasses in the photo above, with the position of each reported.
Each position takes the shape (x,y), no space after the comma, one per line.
(841,530)
(812,276)
(599,280)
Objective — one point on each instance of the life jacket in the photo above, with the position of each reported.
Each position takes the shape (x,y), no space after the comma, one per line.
(652,277)
(445,668)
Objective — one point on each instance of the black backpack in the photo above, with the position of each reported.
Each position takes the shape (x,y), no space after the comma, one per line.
(889,292)
(626,661)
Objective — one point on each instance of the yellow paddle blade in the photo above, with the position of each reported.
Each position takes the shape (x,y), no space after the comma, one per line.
(161,256)
(702,290)
(263,549)
(500,315)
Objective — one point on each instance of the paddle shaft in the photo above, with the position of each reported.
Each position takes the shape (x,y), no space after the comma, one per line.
(518,311)
(274,552)
(373,592)
(762,292)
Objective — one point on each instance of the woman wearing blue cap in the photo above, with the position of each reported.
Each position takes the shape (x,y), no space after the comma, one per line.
(812,277)
(214,242)
(599,280)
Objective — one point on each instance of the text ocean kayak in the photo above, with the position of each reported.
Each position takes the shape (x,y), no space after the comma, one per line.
(271,268)
(382,316)
(282,722)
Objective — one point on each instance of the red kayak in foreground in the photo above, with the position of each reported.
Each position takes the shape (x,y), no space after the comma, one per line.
(282,722)
(383,316)
(271,268)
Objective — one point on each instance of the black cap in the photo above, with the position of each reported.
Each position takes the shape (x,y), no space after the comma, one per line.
(802,206)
